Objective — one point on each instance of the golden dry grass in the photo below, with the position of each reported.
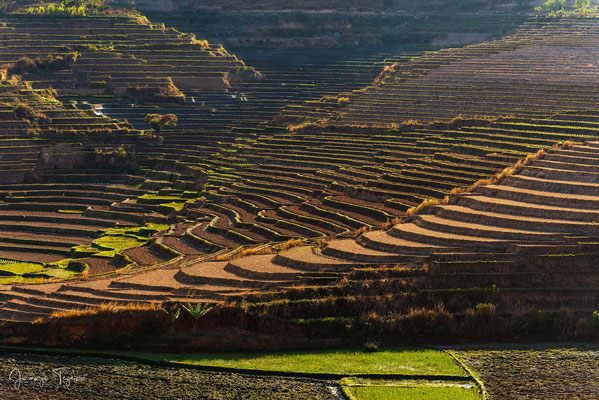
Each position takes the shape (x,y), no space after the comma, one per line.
(306,125)
(342,101)
(111,307)
(268,249)
(290,243)
(256,251)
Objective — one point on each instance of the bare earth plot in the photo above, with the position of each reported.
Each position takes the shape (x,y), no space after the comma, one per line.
(92,378)
(537,372)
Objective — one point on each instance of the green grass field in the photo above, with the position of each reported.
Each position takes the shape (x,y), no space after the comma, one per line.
(408,361)
(403,361)
(115,240)
(411,393)
(424,367)
(20,268)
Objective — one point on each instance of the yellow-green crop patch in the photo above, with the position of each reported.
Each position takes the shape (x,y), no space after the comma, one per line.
(12,271)
(20,268)
(400,392)
(174,206)
(115,243)
(152,196)
(404,361)
(115,240)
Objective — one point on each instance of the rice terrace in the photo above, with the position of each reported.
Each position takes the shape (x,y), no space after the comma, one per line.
(353,200)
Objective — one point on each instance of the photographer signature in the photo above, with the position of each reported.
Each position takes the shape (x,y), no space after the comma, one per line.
(62,376)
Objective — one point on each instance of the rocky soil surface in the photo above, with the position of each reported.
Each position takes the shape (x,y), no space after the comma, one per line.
(537,372)
(70,378)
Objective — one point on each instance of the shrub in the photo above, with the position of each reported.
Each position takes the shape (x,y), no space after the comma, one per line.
(290,243)
(51,62)
(157,121)
(343,101)
(110,307)
(160,94)
(371,346)
(69,7)
(24,112)
(554,5)
(23,64)
(118,152)
(482,322)
(560,324)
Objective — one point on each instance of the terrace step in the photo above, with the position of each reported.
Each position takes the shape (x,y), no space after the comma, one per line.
(306,258)
(523,209)
(553,185)
(383,241)
(214,273)
(19,316)
(541,197)
(262,267)
(472,226)
(414,232)
(350,250)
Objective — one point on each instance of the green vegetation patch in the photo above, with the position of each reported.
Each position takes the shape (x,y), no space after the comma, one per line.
(12,271)
(141,232)
(12,267)
(118,239)
(161,197)
(401,392)
(405,361)
(168,201)
(172,206)
(118,242)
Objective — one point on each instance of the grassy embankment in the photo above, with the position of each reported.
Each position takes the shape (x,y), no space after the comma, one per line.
(390,373)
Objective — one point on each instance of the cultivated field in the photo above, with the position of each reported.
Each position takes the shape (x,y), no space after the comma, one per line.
(496,236)
(93,378)
(538,371)
(385,208)
(517,75)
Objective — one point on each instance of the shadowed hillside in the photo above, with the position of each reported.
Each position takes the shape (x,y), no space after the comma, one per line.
(519,75)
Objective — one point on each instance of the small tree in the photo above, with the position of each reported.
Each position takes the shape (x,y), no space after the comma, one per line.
(197,311)
(157,121)
(173,316)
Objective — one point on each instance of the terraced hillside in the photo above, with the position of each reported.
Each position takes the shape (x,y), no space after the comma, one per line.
(72,193)
(288,77)
(491,242)
(330,5)
(317,224)
(235,27)
(126,67)
(115,54)
(518,75)
(69,187)
(341,179)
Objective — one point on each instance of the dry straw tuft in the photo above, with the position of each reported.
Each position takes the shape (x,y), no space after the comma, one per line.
(111,307)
